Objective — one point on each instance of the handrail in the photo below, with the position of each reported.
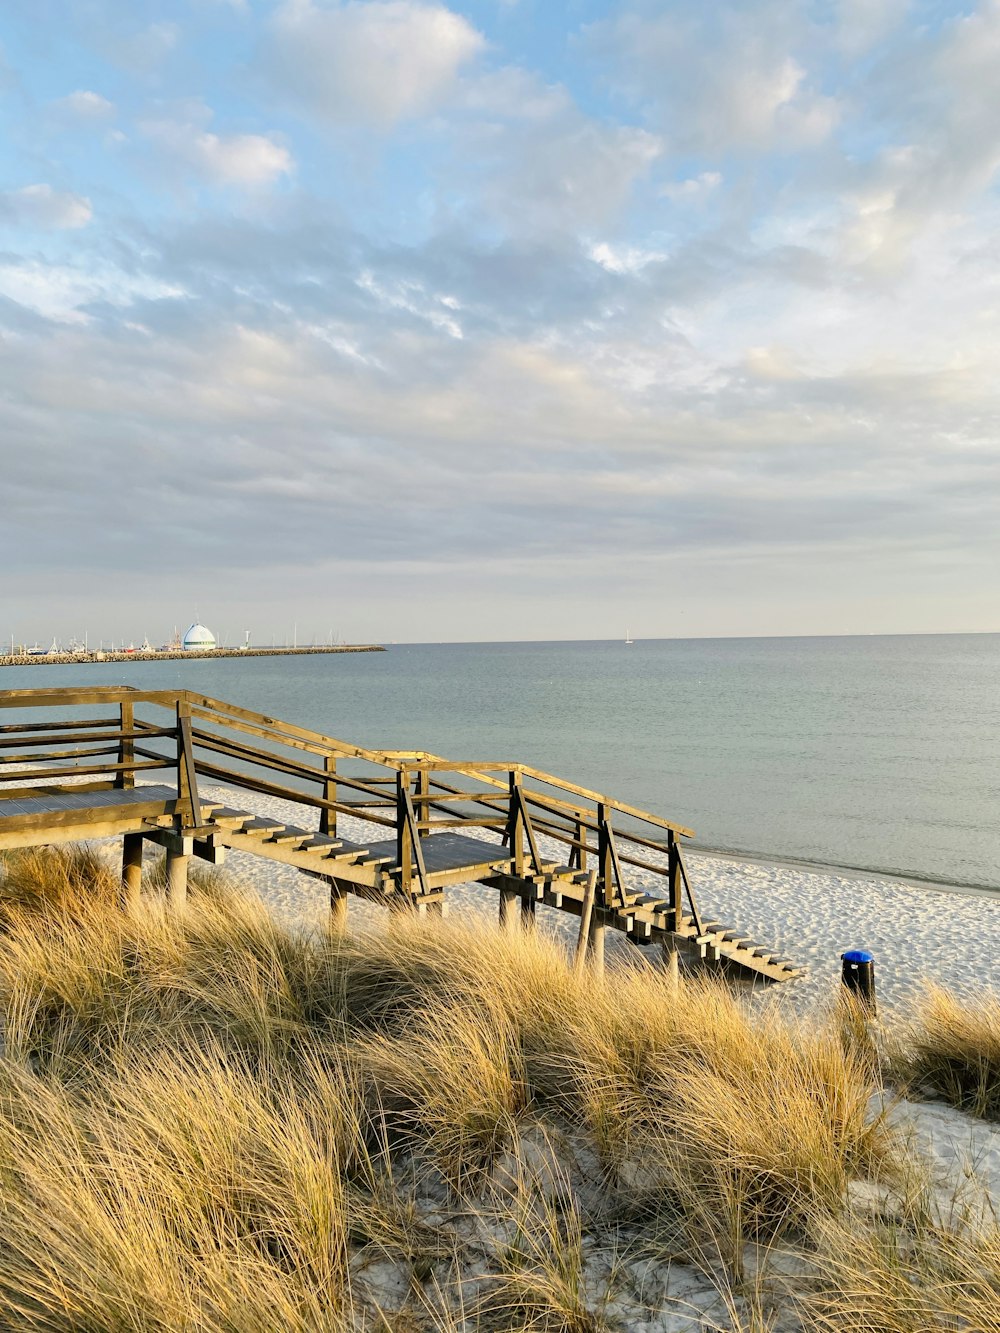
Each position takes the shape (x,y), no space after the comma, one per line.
(518,798)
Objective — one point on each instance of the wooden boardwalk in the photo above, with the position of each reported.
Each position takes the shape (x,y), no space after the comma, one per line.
(69,766)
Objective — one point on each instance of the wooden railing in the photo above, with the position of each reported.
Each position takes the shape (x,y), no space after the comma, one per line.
(412,793)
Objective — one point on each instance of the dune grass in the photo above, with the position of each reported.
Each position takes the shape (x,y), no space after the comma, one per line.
(951,1048)
(210,1121)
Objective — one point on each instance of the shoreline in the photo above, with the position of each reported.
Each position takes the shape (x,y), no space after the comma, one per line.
(179,654)
(862,873)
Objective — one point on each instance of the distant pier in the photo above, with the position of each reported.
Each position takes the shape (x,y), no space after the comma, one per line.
(177,654)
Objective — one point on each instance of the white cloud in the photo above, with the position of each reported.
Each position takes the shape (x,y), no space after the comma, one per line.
(222,159)
(624,258)
(242,159)
(567,175)
(41,206)
(58,291)
(694,188)
(145,49)
(378,62)
(86,105)
(863,23)
(720,78)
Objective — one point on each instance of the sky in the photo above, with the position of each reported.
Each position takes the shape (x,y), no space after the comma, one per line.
(513,319)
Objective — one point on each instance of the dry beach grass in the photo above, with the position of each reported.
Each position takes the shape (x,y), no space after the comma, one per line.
(211,1121)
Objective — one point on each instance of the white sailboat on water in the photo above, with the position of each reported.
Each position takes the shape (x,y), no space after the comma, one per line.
(628,637)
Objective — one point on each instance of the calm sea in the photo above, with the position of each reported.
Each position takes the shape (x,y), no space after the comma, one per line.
(881,753)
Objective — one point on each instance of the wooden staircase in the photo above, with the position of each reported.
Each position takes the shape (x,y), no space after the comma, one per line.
(435,822)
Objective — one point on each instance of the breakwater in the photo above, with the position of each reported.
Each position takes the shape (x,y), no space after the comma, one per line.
(177,654)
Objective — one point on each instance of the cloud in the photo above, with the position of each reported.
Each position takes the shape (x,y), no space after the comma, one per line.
(717,79)
(242,159)
(221,159)
(693,188)
(86,106)
(522,159)
(376,63)
(42,206)
(142,50)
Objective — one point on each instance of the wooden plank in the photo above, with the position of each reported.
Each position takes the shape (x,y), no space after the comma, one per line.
(275,729)
(52,789)
(586,916)
(13,728)
(328,818)
(126,748)
(52,756)
(276,789)
(77,737)
(85,771)
(70,698)
(278,763)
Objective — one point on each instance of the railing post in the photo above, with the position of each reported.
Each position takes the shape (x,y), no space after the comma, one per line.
(674,881)
(328,817)
(580,853)
(423,801)
(605,859)
(515,823)
(125,778)
(187,777)
(404,842)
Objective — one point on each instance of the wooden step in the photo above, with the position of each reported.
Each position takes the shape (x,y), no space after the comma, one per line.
(291,835)
(319,842)
(260,828)
(228,818)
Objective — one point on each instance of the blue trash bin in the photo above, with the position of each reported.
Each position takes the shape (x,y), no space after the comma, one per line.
(858,976)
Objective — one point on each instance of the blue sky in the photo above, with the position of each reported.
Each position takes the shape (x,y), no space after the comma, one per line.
(499,320)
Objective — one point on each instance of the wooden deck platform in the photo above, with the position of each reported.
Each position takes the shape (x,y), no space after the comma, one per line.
(435,823)
(67,816)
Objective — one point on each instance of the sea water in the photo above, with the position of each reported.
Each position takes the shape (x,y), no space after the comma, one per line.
(880,753)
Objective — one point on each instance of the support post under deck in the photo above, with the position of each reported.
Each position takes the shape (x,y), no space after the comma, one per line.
(671,960)
(338,907)
(595,944)
(177,879)
(509,910)
(131,870)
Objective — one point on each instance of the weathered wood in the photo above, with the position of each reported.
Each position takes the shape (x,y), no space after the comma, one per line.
(131,870)
(177,880)
(57,756)
(509,910)
(247,783)
(81,770)
(595,944)
(68,724)
(408,849)
(586,917)
(412,868)
(605,862)
(79,738)
(338,906)
(187,772)
(421,801)
(328,814)
(674,882)
(126,747)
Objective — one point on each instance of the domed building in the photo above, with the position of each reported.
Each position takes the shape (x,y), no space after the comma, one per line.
(198,639)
